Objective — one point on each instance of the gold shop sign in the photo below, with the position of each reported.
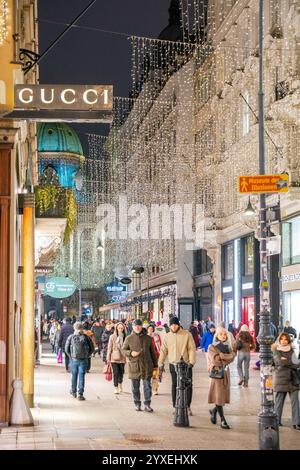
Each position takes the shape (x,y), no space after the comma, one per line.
(78,97)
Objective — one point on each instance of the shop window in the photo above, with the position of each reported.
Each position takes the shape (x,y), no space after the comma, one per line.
(228,261)
(249,255)
(290,241)
(202,263)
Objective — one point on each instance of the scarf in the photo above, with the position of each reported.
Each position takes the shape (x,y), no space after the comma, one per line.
(286,348)
(120,340)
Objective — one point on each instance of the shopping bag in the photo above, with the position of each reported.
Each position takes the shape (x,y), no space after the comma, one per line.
(108,373)
(59,356)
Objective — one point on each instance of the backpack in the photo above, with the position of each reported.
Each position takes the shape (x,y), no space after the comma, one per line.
(79,347)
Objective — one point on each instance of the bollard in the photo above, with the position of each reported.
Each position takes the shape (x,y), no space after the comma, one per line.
(181,412)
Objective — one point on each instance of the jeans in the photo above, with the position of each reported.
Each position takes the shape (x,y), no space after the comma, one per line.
(118,373)
(135,387)
(279,402)
(174,385)
(79,367)
(243,357)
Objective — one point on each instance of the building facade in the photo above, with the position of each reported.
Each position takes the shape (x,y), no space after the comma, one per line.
(18,29)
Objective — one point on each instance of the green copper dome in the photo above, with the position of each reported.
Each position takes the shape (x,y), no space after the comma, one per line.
(58,137)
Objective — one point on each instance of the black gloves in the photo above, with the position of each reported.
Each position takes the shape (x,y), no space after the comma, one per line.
(223,348)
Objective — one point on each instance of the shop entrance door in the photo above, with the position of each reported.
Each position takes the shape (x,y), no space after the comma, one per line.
(228,311)
(247,310)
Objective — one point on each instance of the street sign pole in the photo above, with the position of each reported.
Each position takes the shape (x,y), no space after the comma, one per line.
(268,425)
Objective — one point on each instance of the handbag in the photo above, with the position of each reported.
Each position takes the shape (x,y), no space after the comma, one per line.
(108,373)
(239,345)
(59,356)
(217,373)
(296,377)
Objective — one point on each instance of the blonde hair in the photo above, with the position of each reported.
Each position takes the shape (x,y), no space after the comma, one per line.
(219,330)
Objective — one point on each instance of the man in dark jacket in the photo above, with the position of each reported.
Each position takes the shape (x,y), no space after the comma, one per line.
(98,330)
(79,347)
(139,349)
(66,330)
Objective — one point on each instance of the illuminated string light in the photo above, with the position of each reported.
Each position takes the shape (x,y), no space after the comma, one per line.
(3,21)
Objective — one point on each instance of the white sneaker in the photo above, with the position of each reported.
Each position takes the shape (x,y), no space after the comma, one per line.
(155,392)
(120,388)
(116,390)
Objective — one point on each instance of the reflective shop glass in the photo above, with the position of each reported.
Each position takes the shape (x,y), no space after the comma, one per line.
(249,255)
(291,241)
(228,261)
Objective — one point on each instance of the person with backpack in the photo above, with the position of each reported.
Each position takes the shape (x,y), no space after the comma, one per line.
(79,348)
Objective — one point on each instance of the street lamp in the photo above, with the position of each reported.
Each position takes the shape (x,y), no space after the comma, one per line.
(268,424)
(249,209)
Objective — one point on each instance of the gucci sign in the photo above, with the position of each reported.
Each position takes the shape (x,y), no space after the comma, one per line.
(56,97)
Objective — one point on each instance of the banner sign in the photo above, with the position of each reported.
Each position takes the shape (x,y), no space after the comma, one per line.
(59,287)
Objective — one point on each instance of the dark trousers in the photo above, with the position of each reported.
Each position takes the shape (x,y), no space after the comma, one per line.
(99,347)
(135,387)
(174,385)
(279,402)
(67,361)
(118,373)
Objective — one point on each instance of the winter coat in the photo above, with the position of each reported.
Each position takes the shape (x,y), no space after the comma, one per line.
(140,367)
(66,330)
(200,329)
(114,352)
(194,332)
(176,345)
(283,370)
(156,341)
(247,341)
(89,346)
(207,340)
(104,341)
(219,389)
(98,331)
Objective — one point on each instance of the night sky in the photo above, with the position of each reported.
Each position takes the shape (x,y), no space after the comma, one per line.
(92,57)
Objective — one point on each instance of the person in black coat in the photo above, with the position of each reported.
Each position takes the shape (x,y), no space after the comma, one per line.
(66,330)
(109,329)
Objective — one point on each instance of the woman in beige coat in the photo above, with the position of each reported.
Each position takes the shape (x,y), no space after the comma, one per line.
(220,354)
(116,357)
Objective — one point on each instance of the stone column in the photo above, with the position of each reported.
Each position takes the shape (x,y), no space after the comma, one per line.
(4,293)
(27,362)
(5,164)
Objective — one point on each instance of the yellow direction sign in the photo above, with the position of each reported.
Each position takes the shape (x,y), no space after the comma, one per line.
(263,184)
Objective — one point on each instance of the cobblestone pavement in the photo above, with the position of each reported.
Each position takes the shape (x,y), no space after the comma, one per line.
(107,421)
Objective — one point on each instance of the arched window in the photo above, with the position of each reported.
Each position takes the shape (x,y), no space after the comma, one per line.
(49,176)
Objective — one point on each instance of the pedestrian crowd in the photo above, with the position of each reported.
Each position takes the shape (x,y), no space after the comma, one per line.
(145,347)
